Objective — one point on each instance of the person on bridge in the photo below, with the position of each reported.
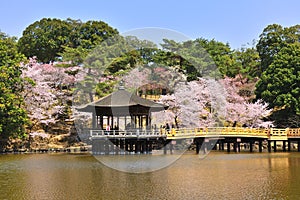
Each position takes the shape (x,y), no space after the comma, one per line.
(107,129)
(173,130)
(167,128)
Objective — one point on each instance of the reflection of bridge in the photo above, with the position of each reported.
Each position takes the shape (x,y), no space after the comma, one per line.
(144,141)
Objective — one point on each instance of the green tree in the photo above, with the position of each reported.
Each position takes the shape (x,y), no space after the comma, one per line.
(188,57)
(279,85)
(136,52)
(74,55)
(113,57)
(273,38)
(221,54)
(91,33)
(200,57)
(12,115)
(44,39)
(83,37)
(248,62)
(49,38)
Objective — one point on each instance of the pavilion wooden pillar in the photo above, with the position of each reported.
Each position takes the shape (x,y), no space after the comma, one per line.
(101,121)
(133,120)
(112,122)
(118,122)
(107,121)
(147,121)
(140,121)
(94,125)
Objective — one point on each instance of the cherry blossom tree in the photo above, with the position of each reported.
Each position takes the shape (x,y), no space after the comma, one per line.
(136,78)
(44,95)
(189,106)
(207,102)
(240,109)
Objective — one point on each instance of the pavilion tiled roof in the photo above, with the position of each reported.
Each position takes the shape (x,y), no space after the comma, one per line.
(121,99)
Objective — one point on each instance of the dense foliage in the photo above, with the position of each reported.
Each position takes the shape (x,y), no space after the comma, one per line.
(279,85)
(273,38)
(49,38)
(279,50)
(12,114)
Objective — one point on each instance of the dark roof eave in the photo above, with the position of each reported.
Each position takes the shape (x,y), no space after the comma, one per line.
(91,108)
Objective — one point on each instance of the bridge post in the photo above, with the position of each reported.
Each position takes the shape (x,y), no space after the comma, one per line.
(101,146)
(106,146)
(228,147)
(260,145)
(150,146)
(235,148)
(112,148)
(251,146)
(122,148)
(117,146)
(141,145)
(284,146)
(147,146)
(131,146)
(197,143)
(126,146)
(96,146)
(165,149)
(238,145)
(222,145)
(137,147)
(205,147)
(197,147)
(214,147)
(205,144)
(171,147)
(269,146)
(289,145)
(275,146)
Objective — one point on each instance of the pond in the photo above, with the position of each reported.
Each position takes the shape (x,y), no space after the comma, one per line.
(217,176)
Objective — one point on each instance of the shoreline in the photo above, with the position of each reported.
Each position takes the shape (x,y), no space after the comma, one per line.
(88,149)
(78,149)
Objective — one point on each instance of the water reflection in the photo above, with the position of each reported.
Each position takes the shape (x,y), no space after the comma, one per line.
(219,175)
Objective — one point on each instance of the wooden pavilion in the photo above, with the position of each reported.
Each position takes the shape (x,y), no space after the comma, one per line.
(133,110)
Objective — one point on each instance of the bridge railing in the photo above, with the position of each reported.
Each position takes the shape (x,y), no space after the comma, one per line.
(272,133)
(218,131)
(293,132)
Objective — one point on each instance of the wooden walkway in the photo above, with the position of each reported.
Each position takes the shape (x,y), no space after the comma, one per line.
(146,140)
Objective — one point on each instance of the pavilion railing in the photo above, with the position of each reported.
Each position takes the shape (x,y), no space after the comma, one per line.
(125,133)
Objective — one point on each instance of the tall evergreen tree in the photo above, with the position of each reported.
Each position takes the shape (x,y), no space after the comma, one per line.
(278,49)
(12,115)
(279,86)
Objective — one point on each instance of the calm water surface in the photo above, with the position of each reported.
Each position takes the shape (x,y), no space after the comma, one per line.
(218,176)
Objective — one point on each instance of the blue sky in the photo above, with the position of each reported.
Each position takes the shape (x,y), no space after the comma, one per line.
(234,21)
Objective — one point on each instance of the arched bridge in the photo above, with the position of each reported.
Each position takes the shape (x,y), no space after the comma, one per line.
(144,140)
